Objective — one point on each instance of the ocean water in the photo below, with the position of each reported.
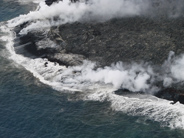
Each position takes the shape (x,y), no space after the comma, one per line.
(30,107)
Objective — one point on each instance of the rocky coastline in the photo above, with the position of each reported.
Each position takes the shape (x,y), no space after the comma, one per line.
(132,39)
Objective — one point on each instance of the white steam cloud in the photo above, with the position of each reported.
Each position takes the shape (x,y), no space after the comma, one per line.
(135,77)
(99,84)
(177,69)
(96,10)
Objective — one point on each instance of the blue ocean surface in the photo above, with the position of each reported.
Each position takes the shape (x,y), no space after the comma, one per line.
(30,109)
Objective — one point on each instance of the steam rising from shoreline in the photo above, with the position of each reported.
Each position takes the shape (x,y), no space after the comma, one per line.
(96,10)
(135,77)
(99,84)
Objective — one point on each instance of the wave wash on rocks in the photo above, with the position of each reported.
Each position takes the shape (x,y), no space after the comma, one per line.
(104,32)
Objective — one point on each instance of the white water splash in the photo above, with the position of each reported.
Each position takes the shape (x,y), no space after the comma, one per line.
(154,109)
(99,84)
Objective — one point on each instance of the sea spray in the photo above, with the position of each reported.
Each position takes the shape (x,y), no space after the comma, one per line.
(100,83)
(134,77)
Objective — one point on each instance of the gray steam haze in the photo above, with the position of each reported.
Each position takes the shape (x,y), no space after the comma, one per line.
(99,84)
(135,77)
(98,10)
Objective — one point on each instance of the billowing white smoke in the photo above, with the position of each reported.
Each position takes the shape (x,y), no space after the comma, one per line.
(58,13)
(103,81)
(177,69)
(135,77)
(95,10)
(106,9)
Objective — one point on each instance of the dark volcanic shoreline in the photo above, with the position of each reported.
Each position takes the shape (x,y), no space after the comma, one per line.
(133,39)
(127,39)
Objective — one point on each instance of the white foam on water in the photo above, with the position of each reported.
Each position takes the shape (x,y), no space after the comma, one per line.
(92,84)
(36,66)
(148,106)
(99,84)
(159,110)
(57,76)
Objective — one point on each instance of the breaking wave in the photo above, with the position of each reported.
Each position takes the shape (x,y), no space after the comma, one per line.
(99,84)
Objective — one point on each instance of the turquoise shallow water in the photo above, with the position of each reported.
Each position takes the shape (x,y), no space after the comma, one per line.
(30,109)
